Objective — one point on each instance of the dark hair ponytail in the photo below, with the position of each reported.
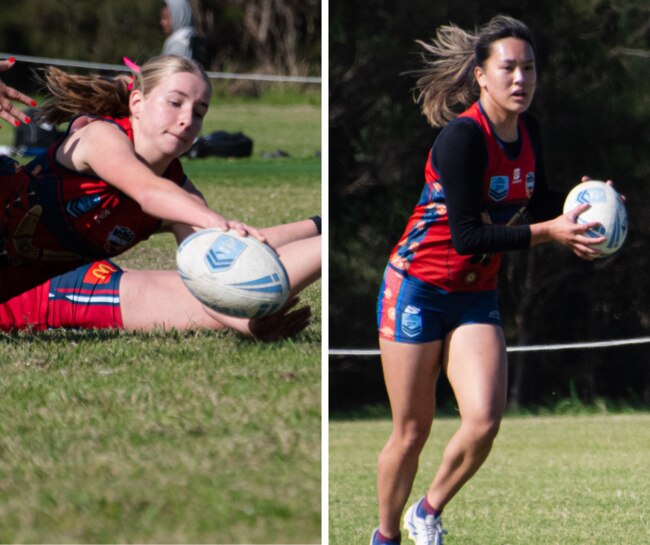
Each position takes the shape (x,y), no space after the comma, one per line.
(447,79)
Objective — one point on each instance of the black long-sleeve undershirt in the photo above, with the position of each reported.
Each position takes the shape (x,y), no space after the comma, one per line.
(460,156)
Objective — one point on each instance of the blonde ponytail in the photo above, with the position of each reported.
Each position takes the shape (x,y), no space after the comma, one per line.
(72,94)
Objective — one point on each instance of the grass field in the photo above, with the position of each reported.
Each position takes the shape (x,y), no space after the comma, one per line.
(565,480)
(168,437)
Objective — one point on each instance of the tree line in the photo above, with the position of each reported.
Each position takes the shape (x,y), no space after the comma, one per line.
(263,36)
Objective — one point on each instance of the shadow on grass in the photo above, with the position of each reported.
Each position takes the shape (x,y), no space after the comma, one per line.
(93,335)
(105,335)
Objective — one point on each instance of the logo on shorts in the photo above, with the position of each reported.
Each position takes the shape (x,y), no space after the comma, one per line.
(99,273)
(411,321)
(495,315)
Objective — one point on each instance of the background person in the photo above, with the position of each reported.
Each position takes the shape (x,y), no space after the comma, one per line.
(437,308)
(177,23)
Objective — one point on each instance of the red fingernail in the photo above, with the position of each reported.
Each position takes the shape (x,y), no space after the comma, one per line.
(12,59)
(17,123)
(28,120)
(33,103)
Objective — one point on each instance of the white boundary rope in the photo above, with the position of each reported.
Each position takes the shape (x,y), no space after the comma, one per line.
(531,348)
(122,68)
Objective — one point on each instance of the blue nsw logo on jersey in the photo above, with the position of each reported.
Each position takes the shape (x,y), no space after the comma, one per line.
(499,186)
(83,204)
(223,253)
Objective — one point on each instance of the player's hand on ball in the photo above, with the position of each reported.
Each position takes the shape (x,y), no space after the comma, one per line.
(575,236)
(240,228)
(283,324)
(600,217)
(246,230)
(608,182)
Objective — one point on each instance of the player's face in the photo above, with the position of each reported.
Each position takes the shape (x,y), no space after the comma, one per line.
(508,77)
(170,117)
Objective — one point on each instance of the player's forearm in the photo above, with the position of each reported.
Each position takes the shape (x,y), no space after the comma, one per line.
(171,203)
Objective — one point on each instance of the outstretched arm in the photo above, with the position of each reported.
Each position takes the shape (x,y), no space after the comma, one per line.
(103,150)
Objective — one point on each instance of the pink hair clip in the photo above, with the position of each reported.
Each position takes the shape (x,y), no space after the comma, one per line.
(133,66)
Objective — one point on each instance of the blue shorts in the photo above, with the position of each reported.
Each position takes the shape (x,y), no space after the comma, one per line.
(412,311)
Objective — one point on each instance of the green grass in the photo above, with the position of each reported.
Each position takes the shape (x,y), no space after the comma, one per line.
(292,126)
(168,437)
(570,480)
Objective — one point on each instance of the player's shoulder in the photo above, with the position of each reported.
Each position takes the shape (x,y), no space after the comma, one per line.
(90,126)
(460,133)
(533,127)
(531,122)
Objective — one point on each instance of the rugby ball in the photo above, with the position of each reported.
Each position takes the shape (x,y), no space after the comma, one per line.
(235,275)
(606,207)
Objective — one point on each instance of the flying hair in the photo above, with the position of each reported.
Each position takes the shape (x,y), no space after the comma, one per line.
(446,84)
(72,94)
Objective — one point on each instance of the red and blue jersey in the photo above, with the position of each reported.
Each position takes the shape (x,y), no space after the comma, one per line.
(426,251)
(53,219)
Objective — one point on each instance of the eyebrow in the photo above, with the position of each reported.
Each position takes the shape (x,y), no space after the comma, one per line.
(525,61)
(182,93)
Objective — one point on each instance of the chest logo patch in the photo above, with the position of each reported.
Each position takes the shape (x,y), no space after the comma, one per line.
(499,186)
(530,184)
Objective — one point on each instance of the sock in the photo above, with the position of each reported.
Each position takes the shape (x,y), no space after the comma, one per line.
(389,540)
(425,508)
(317,221)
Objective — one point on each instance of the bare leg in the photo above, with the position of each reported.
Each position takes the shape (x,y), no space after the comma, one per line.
(302,261)
(151,299)
(159,299)
(410,372)
(477,371)
(280,235)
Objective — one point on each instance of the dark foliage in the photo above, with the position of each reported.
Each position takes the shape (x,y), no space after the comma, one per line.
(592,103)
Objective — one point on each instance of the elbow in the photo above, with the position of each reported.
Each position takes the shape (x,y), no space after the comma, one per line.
(464,245)
(145,198)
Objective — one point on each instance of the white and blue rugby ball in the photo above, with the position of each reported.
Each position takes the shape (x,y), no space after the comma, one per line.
(606,207)
(235,275)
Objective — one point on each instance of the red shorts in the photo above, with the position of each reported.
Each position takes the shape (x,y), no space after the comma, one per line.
(86,298)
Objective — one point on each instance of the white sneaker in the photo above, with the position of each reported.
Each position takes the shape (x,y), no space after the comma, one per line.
(423,530)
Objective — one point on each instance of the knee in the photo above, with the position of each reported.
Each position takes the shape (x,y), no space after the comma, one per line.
(410,439)
(483,430)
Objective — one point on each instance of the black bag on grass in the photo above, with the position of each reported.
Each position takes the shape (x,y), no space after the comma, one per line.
(36,137)
(221,144)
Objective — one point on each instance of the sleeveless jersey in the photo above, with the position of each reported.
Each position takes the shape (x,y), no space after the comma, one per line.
(53,219)
(425,250)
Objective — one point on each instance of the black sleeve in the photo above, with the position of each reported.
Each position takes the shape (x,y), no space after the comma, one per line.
(460,156)
(545,203)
